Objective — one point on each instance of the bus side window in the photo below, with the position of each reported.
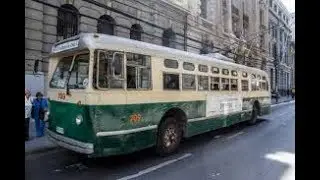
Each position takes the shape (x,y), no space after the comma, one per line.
(110,69)
(171,81)
(188,81)
(203,83)
(234,85)
(244,85)
(225,84)
(103,76)
(138,71)
(254,83)
(263,85)
(215,83)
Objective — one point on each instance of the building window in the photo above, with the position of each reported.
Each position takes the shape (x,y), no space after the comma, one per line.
(138,71)
(68,19)
(106,25)
(215,83)
(205,47)
(271,78)
(169,63)
(188,81)
(274,51)
(270,3)
(203,68)
(203,83)
(261,40)
(203,8)
(245,25)
(261,16)
(188,66)
(135,32)
(168,38)
(244,85)
(171,81)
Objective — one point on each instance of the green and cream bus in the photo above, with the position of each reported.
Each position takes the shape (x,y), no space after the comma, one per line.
(111,95)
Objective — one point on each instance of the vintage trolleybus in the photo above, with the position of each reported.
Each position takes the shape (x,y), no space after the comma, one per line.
(111,95)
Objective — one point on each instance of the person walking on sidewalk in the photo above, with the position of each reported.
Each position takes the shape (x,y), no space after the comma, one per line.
(39,108)
(27,112)
(293,93)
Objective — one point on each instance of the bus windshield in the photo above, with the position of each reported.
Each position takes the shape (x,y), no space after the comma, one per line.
(77,78)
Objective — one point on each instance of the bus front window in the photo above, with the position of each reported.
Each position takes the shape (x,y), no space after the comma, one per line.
(77,78)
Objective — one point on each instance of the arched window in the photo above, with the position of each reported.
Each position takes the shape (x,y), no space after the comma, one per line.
(68,19)
(206,47)
(203,8)
(168,38)
(135,32)
(106,25)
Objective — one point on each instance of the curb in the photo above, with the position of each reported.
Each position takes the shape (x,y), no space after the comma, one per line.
(282,103)
(40,150)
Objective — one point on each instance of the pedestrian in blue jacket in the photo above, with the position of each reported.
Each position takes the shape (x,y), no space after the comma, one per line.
(39,108)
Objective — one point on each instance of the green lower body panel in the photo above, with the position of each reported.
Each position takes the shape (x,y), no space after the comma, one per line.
(201,126)
(124,144)
(265,110)
(119,118)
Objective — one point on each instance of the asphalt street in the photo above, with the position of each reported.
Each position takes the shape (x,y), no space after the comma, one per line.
(265,151)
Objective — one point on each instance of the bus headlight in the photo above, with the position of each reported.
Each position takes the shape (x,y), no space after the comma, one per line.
(79,119)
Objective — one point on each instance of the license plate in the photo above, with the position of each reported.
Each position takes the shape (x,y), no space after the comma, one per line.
(60,130)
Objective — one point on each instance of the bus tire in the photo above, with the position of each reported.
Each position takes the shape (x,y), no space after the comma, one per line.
(169,136)
(254,115)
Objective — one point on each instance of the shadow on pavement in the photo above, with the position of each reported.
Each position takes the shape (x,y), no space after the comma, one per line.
(147,155)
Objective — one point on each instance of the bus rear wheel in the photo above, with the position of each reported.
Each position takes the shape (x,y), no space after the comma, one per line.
(169,137)
(254,115)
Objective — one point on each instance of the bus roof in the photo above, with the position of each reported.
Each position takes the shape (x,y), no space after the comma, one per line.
(108,42)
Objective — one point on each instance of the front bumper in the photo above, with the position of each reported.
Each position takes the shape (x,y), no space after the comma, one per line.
(71,144)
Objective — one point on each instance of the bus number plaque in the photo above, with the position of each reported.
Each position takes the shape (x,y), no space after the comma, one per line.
(61,96)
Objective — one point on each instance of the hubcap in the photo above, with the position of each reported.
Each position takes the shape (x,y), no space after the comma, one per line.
(170,136)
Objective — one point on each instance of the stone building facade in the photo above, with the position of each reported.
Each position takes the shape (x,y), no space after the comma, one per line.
(292,49)
(199,26)
(279,46)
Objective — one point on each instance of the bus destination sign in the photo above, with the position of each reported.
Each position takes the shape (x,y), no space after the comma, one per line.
(65,46)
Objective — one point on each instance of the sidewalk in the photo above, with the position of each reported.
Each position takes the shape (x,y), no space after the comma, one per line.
(37,145)
(281,99)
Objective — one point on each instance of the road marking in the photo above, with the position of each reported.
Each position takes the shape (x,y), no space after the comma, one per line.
(153,168)
(235,135)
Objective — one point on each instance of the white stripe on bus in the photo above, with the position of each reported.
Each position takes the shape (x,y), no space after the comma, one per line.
(129,131)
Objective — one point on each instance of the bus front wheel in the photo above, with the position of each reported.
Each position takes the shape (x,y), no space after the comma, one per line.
(169,136)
